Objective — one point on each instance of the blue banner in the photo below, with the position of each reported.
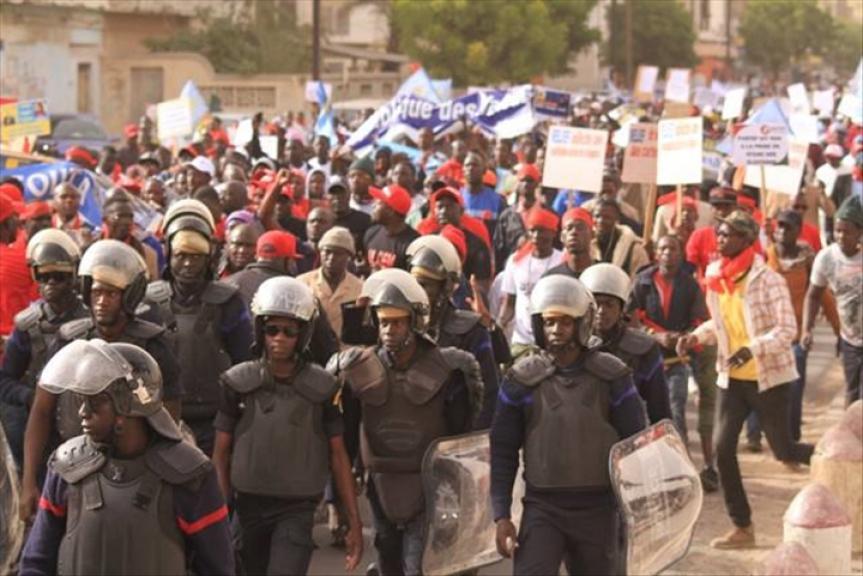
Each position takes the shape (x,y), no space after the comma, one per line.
(548,103)
(40,179)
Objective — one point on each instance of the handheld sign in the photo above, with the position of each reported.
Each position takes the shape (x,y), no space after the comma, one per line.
(639,160)
(679,149)
(733,105)
(799,98)
(784,179)
(575,158)
(677,85)
(174,119)
(27,118)
(760,144)
(645,83)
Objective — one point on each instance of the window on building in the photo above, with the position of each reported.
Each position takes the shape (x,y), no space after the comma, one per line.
(365,89)
(704,15)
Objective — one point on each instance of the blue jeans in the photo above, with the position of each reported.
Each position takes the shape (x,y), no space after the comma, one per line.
(677,377)
(400,547)
(795,399)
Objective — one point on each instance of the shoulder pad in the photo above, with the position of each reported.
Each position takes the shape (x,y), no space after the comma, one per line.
(244,377)
(636,342)
(218,292)
(28,317)
(469,367)
(532,369)
(74,329)
(177,462)
(315,384)
(606,366)
(75,459)
(158,291)
(461,322)
(144,330)
(344,359)
(459,360)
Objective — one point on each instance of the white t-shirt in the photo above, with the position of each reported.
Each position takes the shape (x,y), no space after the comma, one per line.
(519,278)
(844,276)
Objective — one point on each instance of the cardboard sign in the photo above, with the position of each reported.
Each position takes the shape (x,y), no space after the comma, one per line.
(174,119)
(733,106)
(782,179)
(639,159)
(679,145)
(799,98)
(575,158)
(645,83)
(27,118)
(823,102)
(705,97)
(852,107)
(758,144)
(677,85)
(804,126)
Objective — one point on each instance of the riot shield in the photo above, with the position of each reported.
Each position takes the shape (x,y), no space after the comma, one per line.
(11,528)
(460,534)
(660,496)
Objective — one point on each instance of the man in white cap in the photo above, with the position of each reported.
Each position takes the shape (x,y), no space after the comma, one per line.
(332,283)
(199,172)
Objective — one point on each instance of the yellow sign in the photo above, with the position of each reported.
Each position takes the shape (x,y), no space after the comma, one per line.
(27,118)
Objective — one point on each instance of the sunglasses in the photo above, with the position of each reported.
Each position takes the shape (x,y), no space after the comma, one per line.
(58,277)
(289,331)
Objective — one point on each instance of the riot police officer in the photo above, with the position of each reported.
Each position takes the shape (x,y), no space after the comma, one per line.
(209,320)
(408,392)
(565,407)
(610,287)
(279,436)
(53,258)
(129,496)
(113,277)
(436,266)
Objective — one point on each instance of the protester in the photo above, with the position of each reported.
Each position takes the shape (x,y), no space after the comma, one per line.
(387,240)
(576,235)
(614,242)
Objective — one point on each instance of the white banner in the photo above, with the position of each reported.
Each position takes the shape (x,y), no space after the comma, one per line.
(575,158)
(679,149)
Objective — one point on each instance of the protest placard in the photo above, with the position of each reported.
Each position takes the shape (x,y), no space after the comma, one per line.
(852,107)
(678,158)
(823,101)
(575,158)
(270,146)
(804,126)
(705,97)
(784,179)
(549,103)
(26,118)
(760,144)
(639,160)
(799,98)
(677,85)
(733,105)
(174,119)
(645,83)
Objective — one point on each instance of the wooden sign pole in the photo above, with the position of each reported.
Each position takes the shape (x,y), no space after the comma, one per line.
(650,212)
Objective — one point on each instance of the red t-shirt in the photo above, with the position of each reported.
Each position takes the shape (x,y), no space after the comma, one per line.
(17,288)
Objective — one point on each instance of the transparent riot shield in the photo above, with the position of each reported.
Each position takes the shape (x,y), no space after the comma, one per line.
(660,496)
(11,528)
(460,534)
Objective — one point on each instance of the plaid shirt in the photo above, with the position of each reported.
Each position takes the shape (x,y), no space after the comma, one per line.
(770,323)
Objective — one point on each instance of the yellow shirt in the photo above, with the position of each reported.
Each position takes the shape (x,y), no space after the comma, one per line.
(731,308)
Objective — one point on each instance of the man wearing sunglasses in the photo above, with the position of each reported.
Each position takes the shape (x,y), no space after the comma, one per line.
(53,257)
(279,436)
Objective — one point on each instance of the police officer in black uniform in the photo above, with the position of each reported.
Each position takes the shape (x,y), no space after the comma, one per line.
(53,258)
(129,496)
(279,437)
(436,266)
(409,393)
(610,287)
(208,318)
(113,278)
(565,407)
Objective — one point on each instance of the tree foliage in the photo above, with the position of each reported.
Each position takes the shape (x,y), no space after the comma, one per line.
(778,33)
(846,49)
(491,41)
(662,35)
(257,37)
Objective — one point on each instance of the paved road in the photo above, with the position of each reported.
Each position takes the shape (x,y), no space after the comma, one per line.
(770,485)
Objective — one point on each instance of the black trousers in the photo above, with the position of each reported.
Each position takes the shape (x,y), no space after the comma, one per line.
(586,539)
(276,534)
(733,406)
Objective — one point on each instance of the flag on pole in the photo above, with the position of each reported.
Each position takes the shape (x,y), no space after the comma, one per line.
(324,124)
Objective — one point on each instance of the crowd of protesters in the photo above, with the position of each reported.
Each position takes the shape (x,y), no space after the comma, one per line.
(726,292)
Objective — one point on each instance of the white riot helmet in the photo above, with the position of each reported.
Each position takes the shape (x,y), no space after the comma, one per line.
(434,257)
(285,297)
(565,295)
(395,288)
(52,250)
(117,264)
(607,279)
(188,214)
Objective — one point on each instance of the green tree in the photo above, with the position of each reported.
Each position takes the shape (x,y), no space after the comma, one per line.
(662,35)
(779,33)
(846,49)
(257,37)
(491,41)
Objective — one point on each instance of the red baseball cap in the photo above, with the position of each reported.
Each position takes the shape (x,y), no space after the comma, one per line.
(36,210)
(276,244)
(81,154)
(11,192)
(529,171)
(130,130)
(449,192)
(394,196)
